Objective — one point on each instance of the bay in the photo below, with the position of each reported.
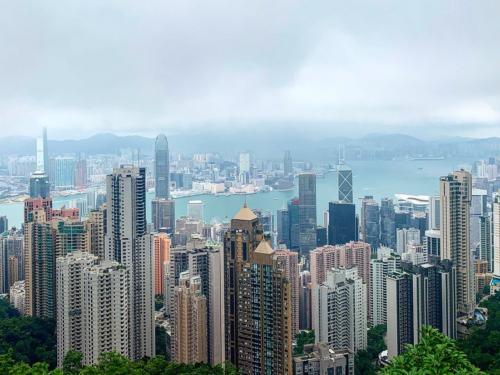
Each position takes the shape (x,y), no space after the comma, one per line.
(377,178)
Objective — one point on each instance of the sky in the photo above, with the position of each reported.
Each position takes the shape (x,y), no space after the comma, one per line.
(324,67)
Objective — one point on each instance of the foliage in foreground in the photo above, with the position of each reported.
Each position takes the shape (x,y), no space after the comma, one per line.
(435,354)
(303,338)
(111,364)
(365,361)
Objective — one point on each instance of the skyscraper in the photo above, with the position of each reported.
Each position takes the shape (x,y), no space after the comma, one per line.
(265,315)
(307,212)
(387,223)
(128,243)
(96,231)
(42,154)
(162,168)
(407,237)
(340,310)
(189,326)
(455,198)
(163,214)
(289,262)
(370,222)
(162,257)
(345,183)
(244,167)
(341,223)
(240,241)
(486,241)
(287,164)
(495,282)
(195,210)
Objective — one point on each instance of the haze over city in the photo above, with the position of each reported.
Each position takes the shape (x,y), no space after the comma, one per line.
(425,68)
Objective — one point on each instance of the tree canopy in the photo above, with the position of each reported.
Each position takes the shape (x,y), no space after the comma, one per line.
(435,354)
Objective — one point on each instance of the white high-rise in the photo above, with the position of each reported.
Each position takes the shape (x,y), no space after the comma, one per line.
(405,237)
(495,282)
(128,243)
(339,308)
(379,269)
(195,210)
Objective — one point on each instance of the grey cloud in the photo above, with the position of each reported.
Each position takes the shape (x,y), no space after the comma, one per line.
(138,67)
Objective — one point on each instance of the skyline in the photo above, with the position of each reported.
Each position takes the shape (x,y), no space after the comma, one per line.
(422,68)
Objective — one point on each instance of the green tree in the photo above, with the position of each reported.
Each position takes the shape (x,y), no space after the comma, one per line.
(365,361)
(303,338)
(72,364)
(435,354)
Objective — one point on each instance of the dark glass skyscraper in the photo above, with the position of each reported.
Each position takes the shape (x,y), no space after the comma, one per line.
(287,164)
(307,212)
(39,185)
(387,223)
(341,223)
(162,167)
(370,222)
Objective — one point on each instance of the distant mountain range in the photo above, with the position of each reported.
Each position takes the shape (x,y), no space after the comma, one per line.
(373,146)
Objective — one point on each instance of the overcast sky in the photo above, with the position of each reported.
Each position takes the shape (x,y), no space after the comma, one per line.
(426,68)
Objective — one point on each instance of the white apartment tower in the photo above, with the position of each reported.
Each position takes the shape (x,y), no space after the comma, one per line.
(380,268)
(339,307)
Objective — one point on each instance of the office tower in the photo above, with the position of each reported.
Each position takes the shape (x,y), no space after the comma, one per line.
(244,167)
(240,241)
(406,237)
(42,154)
(264,306)
(370,222)
(307,212)
(434,213)
(4,224)
(161,257)
(419,221)
(195,210)
(128,243)
(62,172)
(379,269)
(455,245)
(163,214)
(39,185)
(402,219)
(289,262)
(319,359)
(189,325)
(17,296)
(305,300)
(486,242)
(96,225)
(106,305)
(321,236)
(340,310)
(387,223)
(345,183)
(433,245)
(283,227)
(162,168)
(287,164)
(478,209)
(293,228)
(418,296)
(341,223)
(69,273)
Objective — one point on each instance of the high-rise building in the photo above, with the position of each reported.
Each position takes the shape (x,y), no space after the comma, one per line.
(62,172)
(305,300)
(289,262)
(387,223)
(195,210)
(162,168)
(283,227)
(288,225)
(189,323)
(407,237)
(287,164)
(478,209)
(455,245)
(244,167)
(163,214)
(340,310)
(370,222)
(341,223)
(11,259)
(307,212)
(96,231)
(380,268)
(106,308)
(434,213)
(320,359)
(162,257)
(419,296)
(495,282)
(433,245)
(39,185)
(17,296)
(486,241)
(42,152)
(4,224)
(240,241)
(69,319)
(81,173)
(345,184)
(128,243)
(264,306)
